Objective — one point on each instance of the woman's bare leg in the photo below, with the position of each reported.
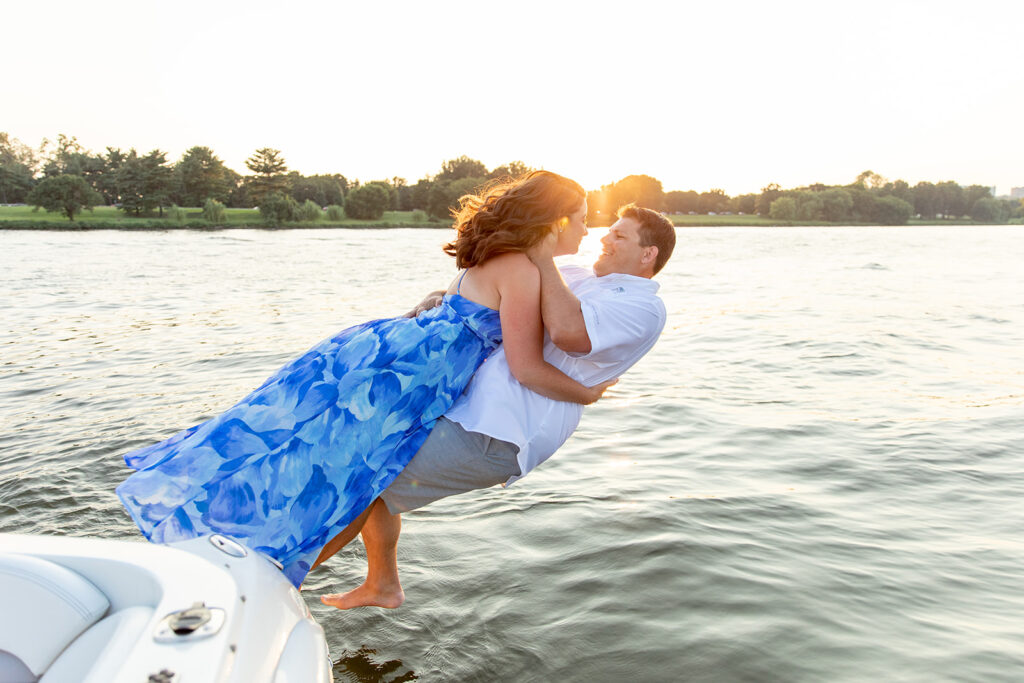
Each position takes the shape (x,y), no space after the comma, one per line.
(381,587)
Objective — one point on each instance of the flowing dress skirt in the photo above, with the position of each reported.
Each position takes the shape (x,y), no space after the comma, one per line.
(294,462)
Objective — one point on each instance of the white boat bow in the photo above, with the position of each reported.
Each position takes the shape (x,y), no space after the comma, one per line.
(207,610)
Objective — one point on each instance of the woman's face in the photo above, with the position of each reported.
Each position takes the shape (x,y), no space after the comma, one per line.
(573,232)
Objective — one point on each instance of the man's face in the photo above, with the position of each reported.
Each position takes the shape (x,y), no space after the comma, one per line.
(621,252)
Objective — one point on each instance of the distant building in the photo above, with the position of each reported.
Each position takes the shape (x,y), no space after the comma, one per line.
(1017,193)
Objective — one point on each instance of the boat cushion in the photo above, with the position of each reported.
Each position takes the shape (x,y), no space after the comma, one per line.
(45,607)
(99,652)
(13,670)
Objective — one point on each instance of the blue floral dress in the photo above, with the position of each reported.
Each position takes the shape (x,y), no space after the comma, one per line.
(293,463)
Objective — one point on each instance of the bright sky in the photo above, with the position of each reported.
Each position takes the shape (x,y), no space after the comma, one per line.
(726,94)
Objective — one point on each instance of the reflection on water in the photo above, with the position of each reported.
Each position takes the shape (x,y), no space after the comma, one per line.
(363,666)
(815,475)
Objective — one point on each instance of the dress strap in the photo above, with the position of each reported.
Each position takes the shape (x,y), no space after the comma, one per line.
(458,287)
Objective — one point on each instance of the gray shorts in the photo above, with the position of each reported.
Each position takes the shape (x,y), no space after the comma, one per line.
(451,460)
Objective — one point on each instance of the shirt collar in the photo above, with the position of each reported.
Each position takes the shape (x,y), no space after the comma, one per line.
(642,284)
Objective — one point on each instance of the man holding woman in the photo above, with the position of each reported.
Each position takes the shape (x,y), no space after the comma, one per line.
(599,321)
(293,464)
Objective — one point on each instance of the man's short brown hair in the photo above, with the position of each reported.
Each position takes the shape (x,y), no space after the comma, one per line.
(655,231)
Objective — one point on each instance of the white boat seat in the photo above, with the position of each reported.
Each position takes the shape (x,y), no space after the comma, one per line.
(13,670)
(57,605)
(97,654)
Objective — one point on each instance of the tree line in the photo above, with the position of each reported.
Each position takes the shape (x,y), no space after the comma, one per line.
(64,177)
(870,198)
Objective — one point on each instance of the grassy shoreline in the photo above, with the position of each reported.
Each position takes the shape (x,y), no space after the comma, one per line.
(110,218)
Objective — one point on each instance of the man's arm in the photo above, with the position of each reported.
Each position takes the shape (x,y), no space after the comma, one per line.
(559,307)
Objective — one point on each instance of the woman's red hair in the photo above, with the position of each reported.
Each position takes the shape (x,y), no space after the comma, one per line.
(511,216)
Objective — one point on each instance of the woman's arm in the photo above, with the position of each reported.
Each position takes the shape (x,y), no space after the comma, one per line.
(560,309)
(518,284)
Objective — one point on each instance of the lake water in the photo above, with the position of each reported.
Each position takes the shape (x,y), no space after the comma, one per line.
(816,474)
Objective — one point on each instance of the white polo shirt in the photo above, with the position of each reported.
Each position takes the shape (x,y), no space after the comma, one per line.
(624,317)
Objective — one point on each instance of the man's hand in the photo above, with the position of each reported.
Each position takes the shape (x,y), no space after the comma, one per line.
(432,300)
(543,250)
(597,391)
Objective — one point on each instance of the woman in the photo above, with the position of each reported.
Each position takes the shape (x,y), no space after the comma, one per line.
(288,467)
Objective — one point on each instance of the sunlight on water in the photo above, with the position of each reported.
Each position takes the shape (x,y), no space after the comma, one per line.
(815,475)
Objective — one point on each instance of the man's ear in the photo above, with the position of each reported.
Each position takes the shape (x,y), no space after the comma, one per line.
(650,255)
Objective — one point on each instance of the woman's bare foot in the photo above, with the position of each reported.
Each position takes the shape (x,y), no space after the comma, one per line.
(366,596)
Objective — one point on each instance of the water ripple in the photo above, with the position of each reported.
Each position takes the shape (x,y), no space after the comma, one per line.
(815,475)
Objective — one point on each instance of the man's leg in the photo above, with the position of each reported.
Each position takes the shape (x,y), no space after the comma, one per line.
(344,537)
(381,587)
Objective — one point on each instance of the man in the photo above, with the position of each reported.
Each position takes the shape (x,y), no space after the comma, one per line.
(599,323)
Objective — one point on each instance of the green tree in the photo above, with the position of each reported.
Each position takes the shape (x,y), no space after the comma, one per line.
(642,190)
(131,183)
(836,204)
(108,183)
(891,211)
(444,195)
(863,210)
(89,166)
(391,190)
(67,194)
(15,183)
(214,213)
(419,194)
(952,199)
(159,181)
(269,168)
(744,203)
(66,156)
(768,195)
(512,169)
(972,193)
(177,215)
(901,189)
(399,193)
(241,197)
(599,210)
(321,189)
(145,182)
(783,209)
(678,201)
(405,192)
(201,175)
(989,210)
(62,155)
(277,208)
(14,150)
(869,180)
(367,202)
(309,211)
(463,167)
(17,169)
(809,206)
(712,201)
(926,200)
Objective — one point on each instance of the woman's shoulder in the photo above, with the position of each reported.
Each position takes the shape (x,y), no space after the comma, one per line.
(515,261)
(511,268)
